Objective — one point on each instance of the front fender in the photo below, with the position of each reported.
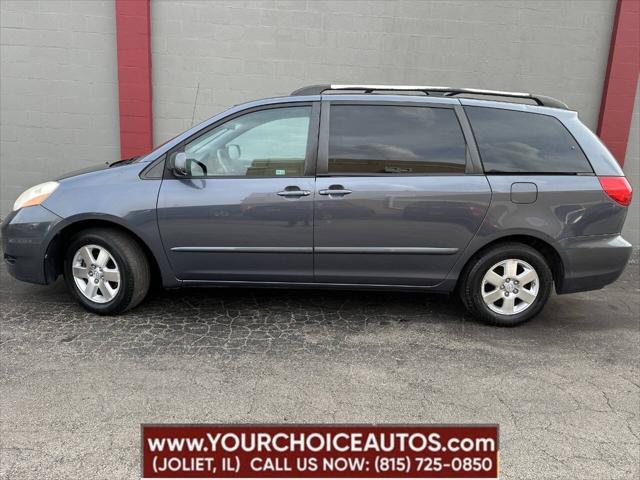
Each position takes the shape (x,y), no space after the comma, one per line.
(117,197)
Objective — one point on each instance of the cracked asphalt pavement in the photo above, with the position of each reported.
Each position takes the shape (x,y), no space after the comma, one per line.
(75,387)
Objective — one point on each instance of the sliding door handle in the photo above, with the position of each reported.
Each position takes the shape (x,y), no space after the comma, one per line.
(335,191)
(294,193)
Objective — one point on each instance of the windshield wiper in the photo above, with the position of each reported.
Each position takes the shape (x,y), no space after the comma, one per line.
(124,161)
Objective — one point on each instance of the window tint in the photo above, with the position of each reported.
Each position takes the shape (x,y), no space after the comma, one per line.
(511,141)
(269,142)
(368,139)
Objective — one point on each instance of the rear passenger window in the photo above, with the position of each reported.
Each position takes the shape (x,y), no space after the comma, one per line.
(372,139)
(521,142)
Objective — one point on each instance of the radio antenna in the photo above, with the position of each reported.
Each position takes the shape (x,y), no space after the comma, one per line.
(195,102)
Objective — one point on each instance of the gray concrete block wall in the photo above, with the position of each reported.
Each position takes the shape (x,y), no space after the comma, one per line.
(58,90)
(241,50)
(58,75)
(632,170)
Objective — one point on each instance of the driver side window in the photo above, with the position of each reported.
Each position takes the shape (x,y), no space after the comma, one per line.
(266,143)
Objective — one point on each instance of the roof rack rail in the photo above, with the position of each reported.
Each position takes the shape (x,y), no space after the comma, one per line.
(541,100)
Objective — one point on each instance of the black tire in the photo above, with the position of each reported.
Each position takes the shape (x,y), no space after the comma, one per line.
(472,280)
(135,275)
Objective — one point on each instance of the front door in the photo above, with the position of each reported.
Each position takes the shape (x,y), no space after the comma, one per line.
(395,203)
(245,212)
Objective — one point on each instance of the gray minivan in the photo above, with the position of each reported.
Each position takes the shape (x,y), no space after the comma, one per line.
(343,186)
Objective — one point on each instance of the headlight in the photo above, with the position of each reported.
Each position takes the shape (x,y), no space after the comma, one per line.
(35,195)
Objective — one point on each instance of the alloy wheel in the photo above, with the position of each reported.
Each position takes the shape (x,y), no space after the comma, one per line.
(96,273)
(510,287)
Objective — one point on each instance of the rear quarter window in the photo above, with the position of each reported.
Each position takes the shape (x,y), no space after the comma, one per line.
(521,142)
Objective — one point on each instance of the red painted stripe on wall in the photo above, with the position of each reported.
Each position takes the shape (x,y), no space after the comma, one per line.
(621,79)
(133,34)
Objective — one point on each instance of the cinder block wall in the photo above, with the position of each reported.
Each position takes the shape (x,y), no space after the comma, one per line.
(241,50)
(58,68)
(58,90)
(632,170)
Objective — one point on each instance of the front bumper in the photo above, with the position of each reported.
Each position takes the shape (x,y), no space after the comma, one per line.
(593,262)
(26,235)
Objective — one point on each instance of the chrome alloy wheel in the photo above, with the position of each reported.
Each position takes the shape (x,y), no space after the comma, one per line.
(96,273)
(510,287)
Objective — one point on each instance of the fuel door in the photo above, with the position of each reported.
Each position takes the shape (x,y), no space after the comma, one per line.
(524,192)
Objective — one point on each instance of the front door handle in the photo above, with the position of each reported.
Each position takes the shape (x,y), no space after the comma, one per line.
(337,190)
(294,192)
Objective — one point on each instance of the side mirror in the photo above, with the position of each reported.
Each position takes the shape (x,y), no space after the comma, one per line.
(234,152)
(180,164)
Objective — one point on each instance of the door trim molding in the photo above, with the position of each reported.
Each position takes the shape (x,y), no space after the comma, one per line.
(245,249)
(388,250)
(348,250)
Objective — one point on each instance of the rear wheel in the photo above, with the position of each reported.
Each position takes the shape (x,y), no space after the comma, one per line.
(506,285)
(106,270)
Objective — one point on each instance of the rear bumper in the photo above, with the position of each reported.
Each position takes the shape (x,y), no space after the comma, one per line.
(593,262)
(25,237)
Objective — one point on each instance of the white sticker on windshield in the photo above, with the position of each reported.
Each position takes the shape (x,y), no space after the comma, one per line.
(280,172)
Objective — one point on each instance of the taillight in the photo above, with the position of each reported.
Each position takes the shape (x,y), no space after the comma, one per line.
(618,189)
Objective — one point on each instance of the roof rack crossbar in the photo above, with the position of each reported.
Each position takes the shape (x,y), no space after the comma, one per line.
(541,100)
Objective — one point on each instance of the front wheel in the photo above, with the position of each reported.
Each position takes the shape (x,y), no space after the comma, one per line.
(106,270)
(506,285)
